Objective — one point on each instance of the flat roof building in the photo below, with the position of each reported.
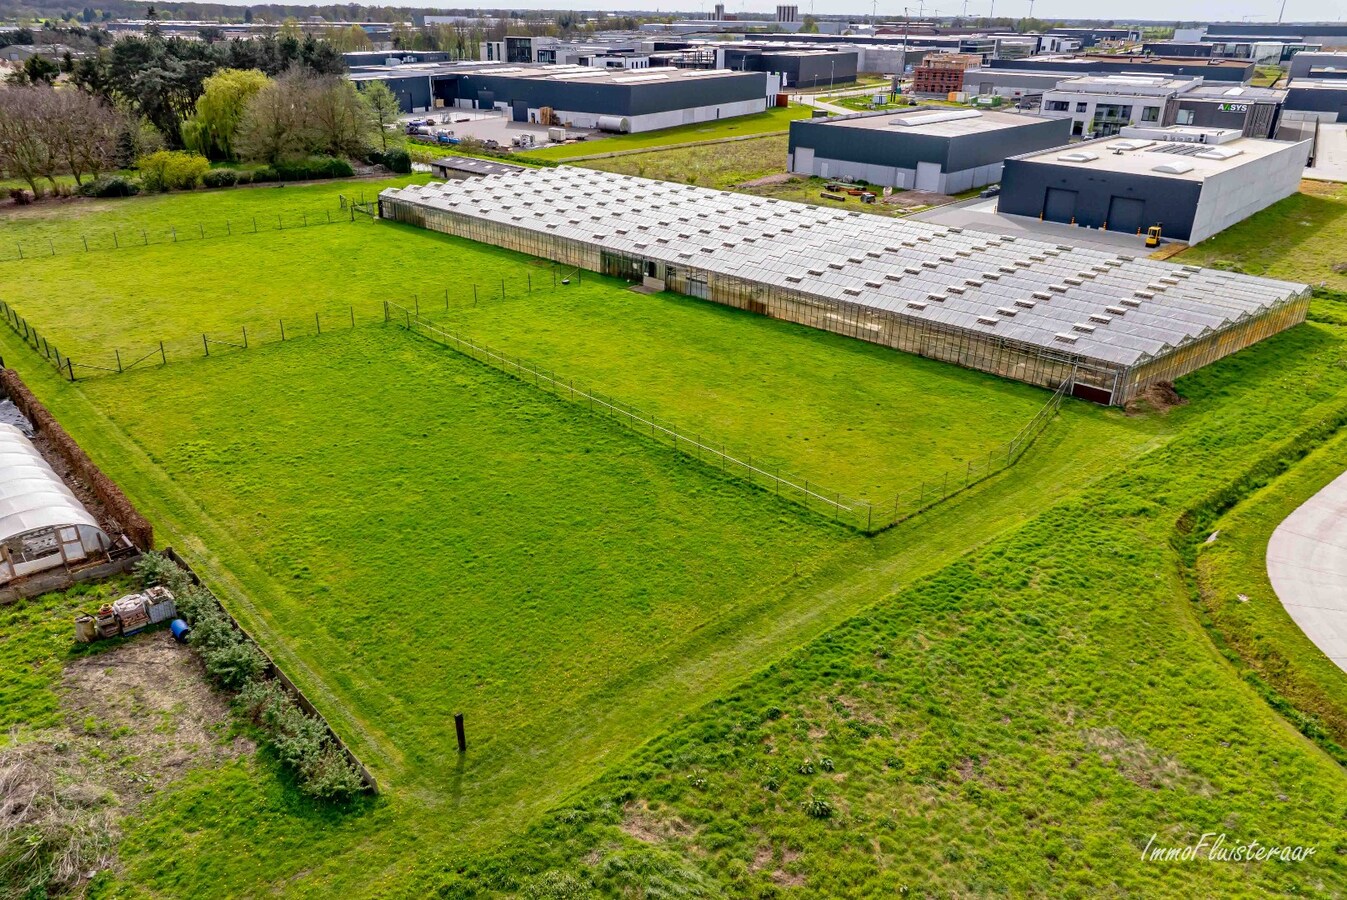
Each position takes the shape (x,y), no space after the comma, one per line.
(581,96)
(1192,182)
(1238,71)
(930,148)
(1316,100)
(1106,325)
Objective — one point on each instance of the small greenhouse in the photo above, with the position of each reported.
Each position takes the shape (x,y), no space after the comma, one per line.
(42,524)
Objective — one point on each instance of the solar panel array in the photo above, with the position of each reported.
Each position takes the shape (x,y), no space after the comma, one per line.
(1088,302)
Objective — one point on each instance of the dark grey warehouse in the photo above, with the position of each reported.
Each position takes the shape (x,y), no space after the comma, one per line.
(927,149)
(617,99)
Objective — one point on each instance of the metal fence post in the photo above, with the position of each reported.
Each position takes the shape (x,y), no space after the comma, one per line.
(205,343)
(163,357)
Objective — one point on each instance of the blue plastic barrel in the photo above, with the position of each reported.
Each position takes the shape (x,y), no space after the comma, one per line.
(180,630)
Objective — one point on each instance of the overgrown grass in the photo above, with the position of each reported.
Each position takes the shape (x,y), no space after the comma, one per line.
(1245,611)
(1302,238)
(727,167)
(1022,723)
(775,119)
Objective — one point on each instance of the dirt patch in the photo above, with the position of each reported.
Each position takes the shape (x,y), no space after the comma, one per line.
(1159,397)
(138,717)
(1140,763)
(769,180)
(917,198)
(647,825)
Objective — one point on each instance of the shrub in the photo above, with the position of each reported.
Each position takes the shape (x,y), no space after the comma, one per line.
(110,186)
(155,568)
(399,161)
(243,176)
(331,776)
(234,666)
(218,178)
(172,170)
(312,168)
(817,808)
(20,196)
(264,173)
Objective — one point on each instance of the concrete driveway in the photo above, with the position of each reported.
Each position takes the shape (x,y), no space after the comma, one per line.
(1307,564)
(1330,162)
(979,214)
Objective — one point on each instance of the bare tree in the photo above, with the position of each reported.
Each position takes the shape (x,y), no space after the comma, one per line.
(275,123)
(299,114)
(341,125)
(24,150)
(81,133)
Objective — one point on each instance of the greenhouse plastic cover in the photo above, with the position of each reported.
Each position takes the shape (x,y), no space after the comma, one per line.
(32,495)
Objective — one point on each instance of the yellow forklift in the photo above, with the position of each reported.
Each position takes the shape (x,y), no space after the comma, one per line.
(1153,235)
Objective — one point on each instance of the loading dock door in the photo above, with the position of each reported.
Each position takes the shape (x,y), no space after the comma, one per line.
(1124,214)
(928,177)
(804,160)
(520,109)
(1059,205)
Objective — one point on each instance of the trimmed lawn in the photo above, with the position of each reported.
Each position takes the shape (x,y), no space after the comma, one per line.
(778,118)
(854,417)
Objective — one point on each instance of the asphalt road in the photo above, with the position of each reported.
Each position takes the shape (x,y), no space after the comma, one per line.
(1307,564)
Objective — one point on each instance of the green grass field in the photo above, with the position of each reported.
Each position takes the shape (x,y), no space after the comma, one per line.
(1245,611)
(676,685)
(1303,237)
(458,543)
(820,405)
(1036,678)
(775,119)
(711,370)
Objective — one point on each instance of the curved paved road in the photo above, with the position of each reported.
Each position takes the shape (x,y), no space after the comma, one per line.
(1307,564)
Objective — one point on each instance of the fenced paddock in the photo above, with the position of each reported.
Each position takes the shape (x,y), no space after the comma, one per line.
(866,515)
(1020,309)
(104,240)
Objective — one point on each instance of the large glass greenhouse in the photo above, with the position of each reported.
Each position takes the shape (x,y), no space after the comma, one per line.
(1028,310)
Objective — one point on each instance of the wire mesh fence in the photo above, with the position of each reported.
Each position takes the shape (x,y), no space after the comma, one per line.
(862,514)
(126,237)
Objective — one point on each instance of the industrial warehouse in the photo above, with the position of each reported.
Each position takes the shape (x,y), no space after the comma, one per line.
(581,96)
(1034,312)
(930,149)
(1193,182)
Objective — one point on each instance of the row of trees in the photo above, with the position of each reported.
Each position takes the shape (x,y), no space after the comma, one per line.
(243,114)
(161,79)
(46,132)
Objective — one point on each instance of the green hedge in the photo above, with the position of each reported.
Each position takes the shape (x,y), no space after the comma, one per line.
(234,664)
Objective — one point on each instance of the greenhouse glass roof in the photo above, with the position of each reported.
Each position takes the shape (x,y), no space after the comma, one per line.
(1086,302)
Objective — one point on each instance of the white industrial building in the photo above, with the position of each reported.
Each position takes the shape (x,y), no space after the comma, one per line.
(1098,106)
(1192,182)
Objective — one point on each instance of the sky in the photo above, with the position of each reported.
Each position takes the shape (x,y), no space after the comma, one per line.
(1130,10)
